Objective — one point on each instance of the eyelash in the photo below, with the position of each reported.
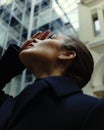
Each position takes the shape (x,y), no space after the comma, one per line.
(50,37)
(34,41)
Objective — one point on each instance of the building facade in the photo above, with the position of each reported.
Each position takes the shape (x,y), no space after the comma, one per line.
(20,19)
(91,32)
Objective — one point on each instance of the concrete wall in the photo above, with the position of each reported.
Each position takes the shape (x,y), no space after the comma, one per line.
(95,43)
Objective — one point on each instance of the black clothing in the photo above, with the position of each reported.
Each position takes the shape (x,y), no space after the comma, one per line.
(52,103)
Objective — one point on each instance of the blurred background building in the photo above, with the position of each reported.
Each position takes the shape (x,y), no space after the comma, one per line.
(91,32)
(20,19)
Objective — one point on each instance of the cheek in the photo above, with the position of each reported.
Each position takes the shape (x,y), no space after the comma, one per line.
(49,54)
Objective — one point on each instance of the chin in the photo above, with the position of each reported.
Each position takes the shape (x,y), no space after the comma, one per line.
(27,58)
(23,57)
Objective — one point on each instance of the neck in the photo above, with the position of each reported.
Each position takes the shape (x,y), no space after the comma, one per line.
(43,74)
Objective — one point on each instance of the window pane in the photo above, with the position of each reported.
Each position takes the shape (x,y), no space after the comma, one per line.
(2,36)
(17,12)
(11,41)
(24,35)
(96,24)
(15,28)
(6,16)
(1,10)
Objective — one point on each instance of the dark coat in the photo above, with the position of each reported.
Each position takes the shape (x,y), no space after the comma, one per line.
(53,103)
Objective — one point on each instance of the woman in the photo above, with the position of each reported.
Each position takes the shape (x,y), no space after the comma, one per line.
(62,66)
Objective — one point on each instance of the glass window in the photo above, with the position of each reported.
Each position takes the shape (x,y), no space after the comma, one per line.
(6,16)
(17,12)
(33,32)
(56,24)
(43,18)
(11,41)
(35,20)
(9,7)
(26,18)
(15,27)
(1,9)
(96,24)
(24,34)
(29,76)
(45,3)
(13,22)
(17,85)
(54,14)
(2,36)
(44,27)
(36,9)
(20,3)
(28,7)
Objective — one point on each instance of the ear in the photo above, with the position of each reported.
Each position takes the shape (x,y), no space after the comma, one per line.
(66,55)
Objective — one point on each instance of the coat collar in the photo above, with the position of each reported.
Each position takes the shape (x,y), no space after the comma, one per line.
(62,86)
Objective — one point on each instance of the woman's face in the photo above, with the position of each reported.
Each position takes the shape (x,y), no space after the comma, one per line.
(41,51)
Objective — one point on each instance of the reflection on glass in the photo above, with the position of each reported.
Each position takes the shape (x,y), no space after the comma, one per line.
(2,36)
(36,9)
(28,7)
(1,10)
(45,4)
(44,27)
(35,20)
(29,76)
(96,24)
(15,28)
(33,32)
(6,16)
(43,18)
(17,12)
(11,41)
(17,83)
(24,34)
(20,3)
(26,18)
(56,24)
(9,7)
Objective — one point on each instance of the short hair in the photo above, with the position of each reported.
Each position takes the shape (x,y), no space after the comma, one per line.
(82,66)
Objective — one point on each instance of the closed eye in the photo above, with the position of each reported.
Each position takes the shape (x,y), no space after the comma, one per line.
(36,40)
(50,37)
